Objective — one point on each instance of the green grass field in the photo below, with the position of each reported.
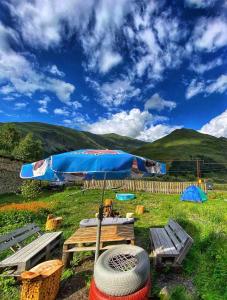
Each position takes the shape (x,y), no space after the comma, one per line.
(204,266)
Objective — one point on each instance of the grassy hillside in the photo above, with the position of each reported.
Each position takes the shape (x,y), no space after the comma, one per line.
(58,139)
(182,146)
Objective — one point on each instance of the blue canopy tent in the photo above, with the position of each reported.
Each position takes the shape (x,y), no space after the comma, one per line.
(194,193)
(90,164)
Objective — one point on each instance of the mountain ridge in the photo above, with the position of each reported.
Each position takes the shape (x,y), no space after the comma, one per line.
(57,139)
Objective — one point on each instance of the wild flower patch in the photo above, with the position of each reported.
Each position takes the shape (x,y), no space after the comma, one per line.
(29,206)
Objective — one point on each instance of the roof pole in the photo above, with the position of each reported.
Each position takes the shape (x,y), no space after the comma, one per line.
(100,218)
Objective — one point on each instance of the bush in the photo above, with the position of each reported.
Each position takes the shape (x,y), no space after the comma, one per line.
(30,189)
(8,288)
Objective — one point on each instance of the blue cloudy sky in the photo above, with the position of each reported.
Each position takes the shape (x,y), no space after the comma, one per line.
(136,68)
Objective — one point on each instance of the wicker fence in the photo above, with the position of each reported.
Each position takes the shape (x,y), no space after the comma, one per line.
(142,185)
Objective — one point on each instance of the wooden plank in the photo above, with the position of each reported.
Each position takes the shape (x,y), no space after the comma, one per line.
(155,240)
(178,245)
(90,248)
(31,249)
(162,243)
(17,236)
(179,231)
(168,246)
(108,233)
(184,251)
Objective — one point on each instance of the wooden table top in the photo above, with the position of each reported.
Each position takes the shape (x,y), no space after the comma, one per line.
(108,234)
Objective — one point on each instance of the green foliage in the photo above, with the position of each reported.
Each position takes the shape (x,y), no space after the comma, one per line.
(9,137)
(8,289)
(29,149)
(30,189)
(67,273)
(180,293)
(10,220)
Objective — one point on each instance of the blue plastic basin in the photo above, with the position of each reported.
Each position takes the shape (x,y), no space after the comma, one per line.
(124,197)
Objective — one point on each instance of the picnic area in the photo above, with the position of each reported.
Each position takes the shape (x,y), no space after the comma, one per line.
(203,271)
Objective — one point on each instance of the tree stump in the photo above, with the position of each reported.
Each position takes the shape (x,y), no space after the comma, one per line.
(140,209)
(53,223)
(42,282)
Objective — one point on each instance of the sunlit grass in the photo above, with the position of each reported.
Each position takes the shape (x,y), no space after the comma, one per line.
(206,223)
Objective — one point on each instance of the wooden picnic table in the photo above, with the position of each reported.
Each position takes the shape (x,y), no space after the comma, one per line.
(84,239)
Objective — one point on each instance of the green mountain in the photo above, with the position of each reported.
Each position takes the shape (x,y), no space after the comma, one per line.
(181,148)
(57,139)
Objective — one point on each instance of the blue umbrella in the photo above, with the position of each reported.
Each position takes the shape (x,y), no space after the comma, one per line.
(90,164)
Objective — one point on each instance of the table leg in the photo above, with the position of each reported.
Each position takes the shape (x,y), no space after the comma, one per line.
(132,242)
(66,256)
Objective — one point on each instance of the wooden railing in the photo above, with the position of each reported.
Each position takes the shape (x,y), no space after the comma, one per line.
(143,185)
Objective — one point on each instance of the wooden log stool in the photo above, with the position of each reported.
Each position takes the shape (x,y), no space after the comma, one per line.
(42,282)
(53,223)
(108,208)
(140,209)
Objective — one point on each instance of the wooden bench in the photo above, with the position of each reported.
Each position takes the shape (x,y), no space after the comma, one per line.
(25,257)
(170,244)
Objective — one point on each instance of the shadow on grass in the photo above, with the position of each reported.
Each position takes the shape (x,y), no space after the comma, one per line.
(75,286)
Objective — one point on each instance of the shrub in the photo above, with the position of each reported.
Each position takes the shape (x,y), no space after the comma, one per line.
(8,288)
(30,189)
(180,293)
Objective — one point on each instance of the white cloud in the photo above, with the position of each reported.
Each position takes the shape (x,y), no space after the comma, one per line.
(158,103)
(217,126)
(210,34)
(218,86)
(100,26)
(77,120)
(158,44)
(75,104)
(202,68)
(114,93)
(22,76)
(55,71)
(200,3)
(61,111)
(108,61)
(67,122)
(20,105)
(43,110)
(9,98)
(156,132)
(44,24)
(135,123)
(43,105)
(215,86)
(194,88)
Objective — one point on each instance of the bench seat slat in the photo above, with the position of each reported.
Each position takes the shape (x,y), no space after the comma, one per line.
(30,250)
(162,242)
(178,230)
(13,238)
(173,238)
(169,246)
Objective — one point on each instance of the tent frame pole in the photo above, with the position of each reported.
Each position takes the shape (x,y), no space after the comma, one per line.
(100,218)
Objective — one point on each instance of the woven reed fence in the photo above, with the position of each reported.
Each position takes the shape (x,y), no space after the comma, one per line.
(142,185)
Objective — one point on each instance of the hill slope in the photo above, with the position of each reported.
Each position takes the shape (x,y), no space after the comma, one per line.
(58,139)
(188,145)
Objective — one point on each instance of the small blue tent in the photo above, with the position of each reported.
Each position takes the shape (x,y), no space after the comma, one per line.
(194,193)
